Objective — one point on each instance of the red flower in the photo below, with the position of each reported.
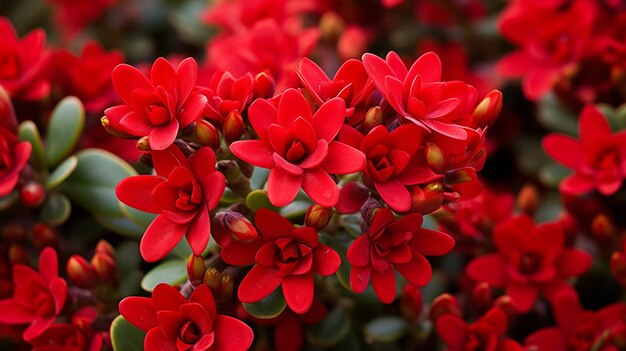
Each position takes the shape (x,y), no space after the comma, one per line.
(419,95)
(486,333)
(14,156)
(73,15)
(351,83)
(182,192)
(226,93)
(530,260)
(576,329)
(88,76)
(550,42)
(392,161)
(288,258)
(22,63)
(74,336)
(157,107)
(38,296)
(598,157)
(392,245)
(175,323)
(299,148)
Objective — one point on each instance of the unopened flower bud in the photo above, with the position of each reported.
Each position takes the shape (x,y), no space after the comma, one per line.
(231,225)
(32,194)
(233,126)
(427,199)
(373,118)
(44,235)
(227,288)
(352,43)
(13,232)
(506,304)
(618,267)
(481,297)
(104,247)
(17,254)
(212,278)
(444,304)
(7,112)
(331,26)
(411,303)
(196,269)
(487,110)
(207,134)
(264,85)
(143,144)
(114,132)
(318,216)
(460,176)
(435,158)
(80,272)
(528,199)
(603,228)
(105,267)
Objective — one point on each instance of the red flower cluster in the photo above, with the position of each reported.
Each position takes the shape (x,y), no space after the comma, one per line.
(182,192)
(530,260)
(175,323)
(598,158)
(74,336)
(392,245)
(14,156)
(283,256)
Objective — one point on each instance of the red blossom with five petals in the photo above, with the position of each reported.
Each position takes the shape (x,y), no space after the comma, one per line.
(299,148)
(182,192)
(598,157)
(158,106)
(531,260)
(38,297)
(175,323)
(14,156)
(392,245)
(288,257)
(75,336)
(225,93)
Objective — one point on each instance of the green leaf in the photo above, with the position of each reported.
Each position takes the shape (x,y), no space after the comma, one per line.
(331,329)
(62,172)
(142,219)
(552,174)
(9,200)
(258,199)
(295,209)
(259,177)
(92,185)
(385,329)
(64,129)
(555,117)
(270,307)
(120,225)
(27,131)
(171,272)
(125,336)
(56,210)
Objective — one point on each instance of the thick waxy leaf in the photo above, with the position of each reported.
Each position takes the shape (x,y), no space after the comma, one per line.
(259,177)
(27,131)
(258,199)
(271,306)
(120,225)
(56,210)
(171,272)
(125,336)
(331,329)
(385,329)
(62,172)
(64,129)
(555,117)
(142,219)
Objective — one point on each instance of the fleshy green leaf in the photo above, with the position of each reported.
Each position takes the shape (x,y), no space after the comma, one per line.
(555,117)
(120,225)
(62,172)
(270,307)
(56,210)
(258,199)
(27,131)
(64,129)
(331,330)
(259,177)
(142,219)
(385,329)
(125,336)
(171,272)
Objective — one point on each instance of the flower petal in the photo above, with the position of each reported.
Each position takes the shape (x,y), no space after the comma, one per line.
(326,261)
(136,192)
(343,159)
(160,238)
(320,187)
(395,194)
(298,291)
(384,283)
(488,268)
(329,118)
(258,284)
(282,187)
(231,334)
(255,152)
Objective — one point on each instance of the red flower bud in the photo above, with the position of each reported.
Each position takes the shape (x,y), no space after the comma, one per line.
(603,228)
(13,232)
(80,272)
(331,26)
(196,269)
(32,194)
(411,303)
(264,85)
(428,199)
(18,254)
(435,158)
(8,119)
(487,110)
(44,235)
(618,267)
(352,43)
(506,304)
(221,284)
(318,216)
(104,247)
(212,278)
(481,297)
(227,288)
(105,267)
(233,126)
(207,134)
(229,226)
(144,144)
(528,199)
(373,118)
(444,304)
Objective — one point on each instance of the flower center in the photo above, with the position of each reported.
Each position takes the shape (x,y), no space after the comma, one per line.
(561,47)
(474,342)
(583,335)
(530,263)
(185,201)
(44,303)
(607,159)
(295,152)
(157,114)
(9,64)
(189,333)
